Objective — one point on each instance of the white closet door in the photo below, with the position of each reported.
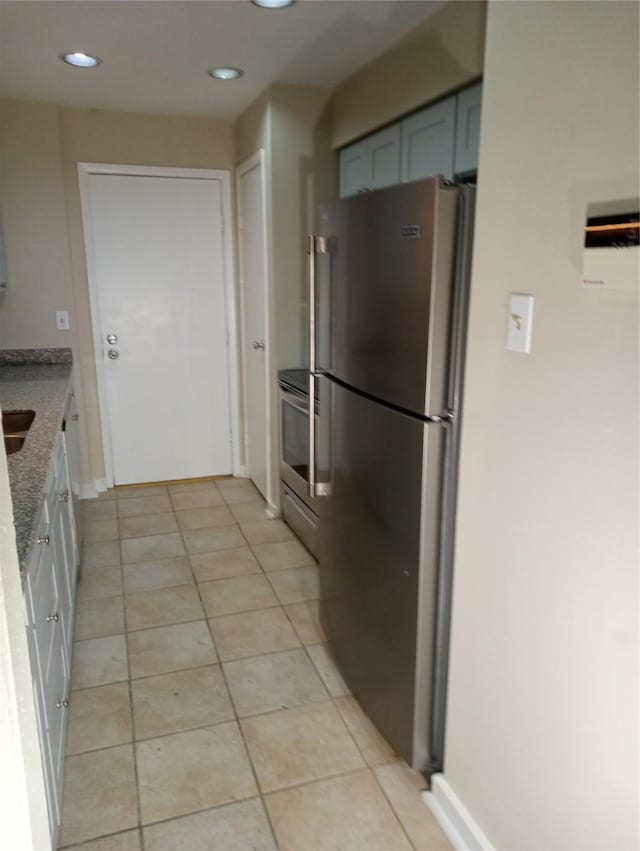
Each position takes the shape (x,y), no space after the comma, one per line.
(159,273)
(251,238)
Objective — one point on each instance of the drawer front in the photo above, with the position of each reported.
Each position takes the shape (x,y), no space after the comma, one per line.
(302,521)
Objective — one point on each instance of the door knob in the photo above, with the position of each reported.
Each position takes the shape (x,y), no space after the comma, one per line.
(258,344)
(113,354)
(112,339)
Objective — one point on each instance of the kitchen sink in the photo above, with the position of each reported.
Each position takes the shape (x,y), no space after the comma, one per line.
(15,425)
(13,443)
(17,421)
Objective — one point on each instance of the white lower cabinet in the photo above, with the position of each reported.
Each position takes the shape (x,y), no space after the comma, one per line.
(49,586)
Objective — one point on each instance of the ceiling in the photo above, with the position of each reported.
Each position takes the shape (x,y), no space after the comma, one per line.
(156,53)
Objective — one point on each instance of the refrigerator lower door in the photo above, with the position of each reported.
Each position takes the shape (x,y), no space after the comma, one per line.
(378,551)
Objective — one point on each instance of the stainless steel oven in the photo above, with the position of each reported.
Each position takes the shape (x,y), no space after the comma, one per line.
(299,510)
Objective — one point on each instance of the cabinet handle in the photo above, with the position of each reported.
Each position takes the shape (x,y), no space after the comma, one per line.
(62,704)
(64,496)
(44,540)
(54,617)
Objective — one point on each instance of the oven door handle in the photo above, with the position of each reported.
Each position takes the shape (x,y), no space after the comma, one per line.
(301,407)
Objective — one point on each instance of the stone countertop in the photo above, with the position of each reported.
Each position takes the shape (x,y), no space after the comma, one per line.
(42,388)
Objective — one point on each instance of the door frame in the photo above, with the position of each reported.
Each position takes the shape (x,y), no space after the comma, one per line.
(85,170)
(258,159)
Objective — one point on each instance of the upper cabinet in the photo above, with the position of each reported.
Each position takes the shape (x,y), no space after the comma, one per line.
(384,157)
(468,129)
(440,139)
(355,168)
(372,163)
(428,140)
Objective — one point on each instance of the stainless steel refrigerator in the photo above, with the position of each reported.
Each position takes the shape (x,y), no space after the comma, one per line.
(388,294)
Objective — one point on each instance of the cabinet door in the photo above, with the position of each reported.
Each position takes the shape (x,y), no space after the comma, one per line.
(46,611)
(354,168)
(51,790)
(468,129)
(384,157)
(56,700)
(428,141)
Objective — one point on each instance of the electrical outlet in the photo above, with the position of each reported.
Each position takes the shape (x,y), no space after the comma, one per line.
(62,320)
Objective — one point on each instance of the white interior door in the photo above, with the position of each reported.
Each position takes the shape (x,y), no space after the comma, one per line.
(251,208)
(158,273)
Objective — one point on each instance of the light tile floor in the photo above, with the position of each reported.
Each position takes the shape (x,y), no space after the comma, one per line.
(206,713)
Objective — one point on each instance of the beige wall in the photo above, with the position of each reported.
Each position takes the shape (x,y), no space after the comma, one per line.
(89,135)
(542,737)
(35,226)
(442,54)
(289,123)
(41,145)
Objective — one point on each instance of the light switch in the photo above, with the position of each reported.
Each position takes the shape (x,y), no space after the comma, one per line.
(519,322)
(62,320)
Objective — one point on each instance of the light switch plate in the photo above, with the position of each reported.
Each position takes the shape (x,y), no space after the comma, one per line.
(62,320)
(520,322)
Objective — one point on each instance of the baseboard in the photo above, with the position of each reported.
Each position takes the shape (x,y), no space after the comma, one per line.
(91,490)
(454,818)
(272,510)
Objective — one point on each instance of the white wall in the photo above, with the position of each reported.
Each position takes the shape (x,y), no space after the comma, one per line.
(542,738)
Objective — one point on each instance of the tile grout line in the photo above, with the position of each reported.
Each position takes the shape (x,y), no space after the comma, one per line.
(237,720)
(163,821)
(369,767)
(280,604)
(365,761)
(393,809)
(133,727)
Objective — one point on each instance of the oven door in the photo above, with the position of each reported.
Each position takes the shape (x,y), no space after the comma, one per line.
(294,449)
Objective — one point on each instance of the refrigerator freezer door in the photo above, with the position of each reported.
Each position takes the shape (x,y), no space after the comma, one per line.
(378,560)
(384,292)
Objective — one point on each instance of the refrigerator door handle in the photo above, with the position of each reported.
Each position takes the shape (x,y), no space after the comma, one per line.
(311,274)
(315,245)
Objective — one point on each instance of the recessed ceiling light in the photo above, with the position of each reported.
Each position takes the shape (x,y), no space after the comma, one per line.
(272,4)
(226,73)
(80,60)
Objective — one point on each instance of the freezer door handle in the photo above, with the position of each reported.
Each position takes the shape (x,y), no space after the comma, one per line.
(311,274)
(315,245)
